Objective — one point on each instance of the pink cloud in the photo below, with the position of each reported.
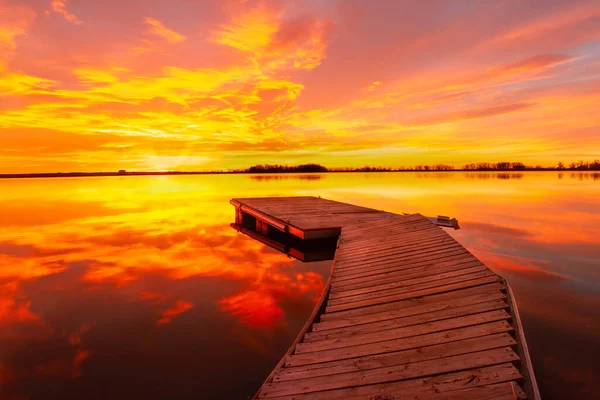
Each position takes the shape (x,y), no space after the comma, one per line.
(157,28)
(60,7)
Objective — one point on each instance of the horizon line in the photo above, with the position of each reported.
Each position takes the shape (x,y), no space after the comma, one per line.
(245,172)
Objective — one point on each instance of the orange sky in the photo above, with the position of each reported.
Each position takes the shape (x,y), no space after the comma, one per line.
(174,84)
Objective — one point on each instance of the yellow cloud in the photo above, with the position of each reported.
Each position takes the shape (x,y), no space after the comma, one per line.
(16,83)
(274,43)
(249,32)
(167,34)
(373,86)
(92,76)
(14,22)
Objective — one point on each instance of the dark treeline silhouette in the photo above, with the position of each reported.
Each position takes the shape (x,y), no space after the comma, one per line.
(482,166)
(519,166)
(437,167)
(301,177)
(276,168)
(317,168)
(363,169)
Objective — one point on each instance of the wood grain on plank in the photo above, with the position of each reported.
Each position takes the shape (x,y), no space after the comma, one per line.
(365,294)
(399,344)
(397,241)
(421,246)
(447,313)
(392,265)
(406,311)
(434,253)
(410,281)
(389,374)
(422,388)
(394,269)
(491,288)
(401,332)
(416,293)
(403,275)
(396,358)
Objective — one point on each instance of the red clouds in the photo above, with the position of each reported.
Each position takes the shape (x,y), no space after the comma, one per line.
(255,308)
(178,308)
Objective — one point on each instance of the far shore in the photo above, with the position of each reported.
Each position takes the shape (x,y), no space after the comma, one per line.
(159,173)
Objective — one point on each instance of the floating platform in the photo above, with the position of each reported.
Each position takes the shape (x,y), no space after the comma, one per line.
(407,312)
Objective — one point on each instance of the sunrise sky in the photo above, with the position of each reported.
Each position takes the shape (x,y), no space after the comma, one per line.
(99,85)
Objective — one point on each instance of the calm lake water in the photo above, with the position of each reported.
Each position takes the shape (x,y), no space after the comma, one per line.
(137,287)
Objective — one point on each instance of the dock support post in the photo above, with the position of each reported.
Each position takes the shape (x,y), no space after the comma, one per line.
(238,215)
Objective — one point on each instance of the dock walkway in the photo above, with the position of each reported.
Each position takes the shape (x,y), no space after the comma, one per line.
(407,313)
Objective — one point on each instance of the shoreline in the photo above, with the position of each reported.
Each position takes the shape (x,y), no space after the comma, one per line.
(167,173)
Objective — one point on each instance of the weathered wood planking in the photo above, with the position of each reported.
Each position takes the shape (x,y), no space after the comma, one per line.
(407,313)
(310,217)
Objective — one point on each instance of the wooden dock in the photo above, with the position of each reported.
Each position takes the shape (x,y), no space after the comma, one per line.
(407,312)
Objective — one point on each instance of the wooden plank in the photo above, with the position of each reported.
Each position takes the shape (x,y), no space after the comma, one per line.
(408,235)
(400,233)
(365,294)
(435,276)
(421,388)
(397,358)
(413,232)
(373,263)
(416,293)
(411,273)
(399,254)
(398,344)
(381,266)
(393,268)
(390,374)
(387,222)
(390,246)
(492,288)
(402,332)
(379,326)
(402,312)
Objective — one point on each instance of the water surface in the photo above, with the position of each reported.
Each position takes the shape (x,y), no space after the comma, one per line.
(123,287)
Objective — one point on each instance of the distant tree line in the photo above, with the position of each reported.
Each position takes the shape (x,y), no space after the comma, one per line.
(308,168)
(482,166)
(276,168)
(519,166)
(583,166)
(437,167)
